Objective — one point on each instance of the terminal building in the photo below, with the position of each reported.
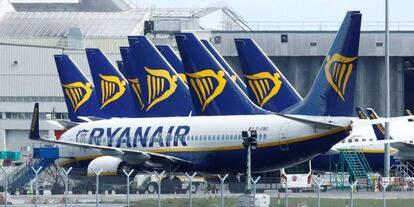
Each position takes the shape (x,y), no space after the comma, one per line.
(31,33)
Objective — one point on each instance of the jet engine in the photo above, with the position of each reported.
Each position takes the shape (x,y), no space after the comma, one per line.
(110,166)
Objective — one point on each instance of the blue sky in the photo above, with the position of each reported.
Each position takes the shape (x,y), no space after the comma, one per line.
(301,10)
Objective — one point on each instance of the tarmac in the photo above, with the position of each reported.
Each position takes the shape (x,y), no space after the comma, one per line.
(120,199)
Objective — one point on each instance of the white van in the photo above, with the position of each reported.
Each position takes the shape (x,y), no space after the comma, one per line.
(298,177)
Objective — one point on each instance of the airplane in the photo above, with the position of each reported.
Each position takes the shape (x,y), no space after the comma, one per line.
(402,150)
(225,65)
(121,67)
(78,90)
(266,85)
(363,140)
(147,66)
(173,59)
(213,144)
(112,88)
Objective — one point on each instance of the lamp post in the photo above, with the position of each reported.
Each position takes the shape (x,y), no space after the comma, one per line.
(249,143)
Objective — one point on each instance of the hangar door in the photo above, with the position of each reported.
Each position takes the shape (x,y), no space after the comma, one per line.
(15,139)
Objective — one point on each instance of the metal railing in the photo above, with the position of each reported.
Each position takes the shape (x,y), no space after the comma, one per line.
(315,25)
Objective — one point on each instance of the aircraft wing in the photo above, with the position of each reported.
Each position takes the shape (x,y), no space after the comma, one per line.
(362,144)
(111,151)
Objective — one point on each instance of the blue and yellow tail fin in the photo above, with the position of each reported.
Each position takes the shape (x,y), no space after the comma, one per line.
(212,89)
(163,91)
(267,86)
(225,65)
(137,87)
(379,128)
(121,67)
(78,90)
(173,59)
(332,93)
(360,113)
(112,88)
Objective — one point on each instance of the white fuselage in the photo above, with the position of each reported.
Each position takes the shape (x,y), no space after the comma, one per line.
(202,135)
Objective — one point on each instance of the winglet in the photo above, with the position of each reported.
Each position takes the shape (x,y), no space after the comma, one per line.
(34,127)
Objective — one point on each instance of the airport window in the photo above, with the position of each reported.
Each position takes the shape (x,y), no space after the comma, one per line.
(31,99)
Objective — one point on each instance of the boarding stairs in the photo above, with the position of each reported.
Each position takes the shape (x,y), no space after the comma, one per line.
(24,174)
(358,167)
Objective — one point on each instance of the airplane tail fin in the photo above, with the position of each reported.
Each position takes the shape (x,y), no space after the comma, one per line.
(173,59)
(408,112)
(212,89)
(361,114)
(112,88)
(225,65)
(267,86)
(379,129)
(78,90)
(121,67)
(161,86)
(332,93)
(34,126)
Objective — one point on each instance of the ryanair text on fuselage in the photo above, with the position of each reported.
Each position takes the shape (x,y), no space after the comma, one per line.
(133,136)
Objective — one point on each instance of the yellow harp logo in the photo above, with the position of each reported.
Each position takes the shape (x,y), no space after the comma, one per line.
(207,84)
(338,68)
(158,90)
(183,77)
(78,93)
(264,86)
(112,89)
(136,87)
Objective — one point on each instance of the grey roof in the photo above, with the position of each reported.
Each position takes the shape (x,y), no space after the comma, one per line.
(56,24)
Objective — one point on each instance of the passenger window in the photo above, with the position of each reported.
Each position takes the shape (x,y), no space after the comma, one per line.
(370,139)
(227,137)
(356,140)
(364,140)
(349,140)
(264,136)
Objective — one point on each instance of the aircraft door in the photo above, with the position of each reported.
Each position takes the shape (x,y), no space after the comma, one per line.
(283,141)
